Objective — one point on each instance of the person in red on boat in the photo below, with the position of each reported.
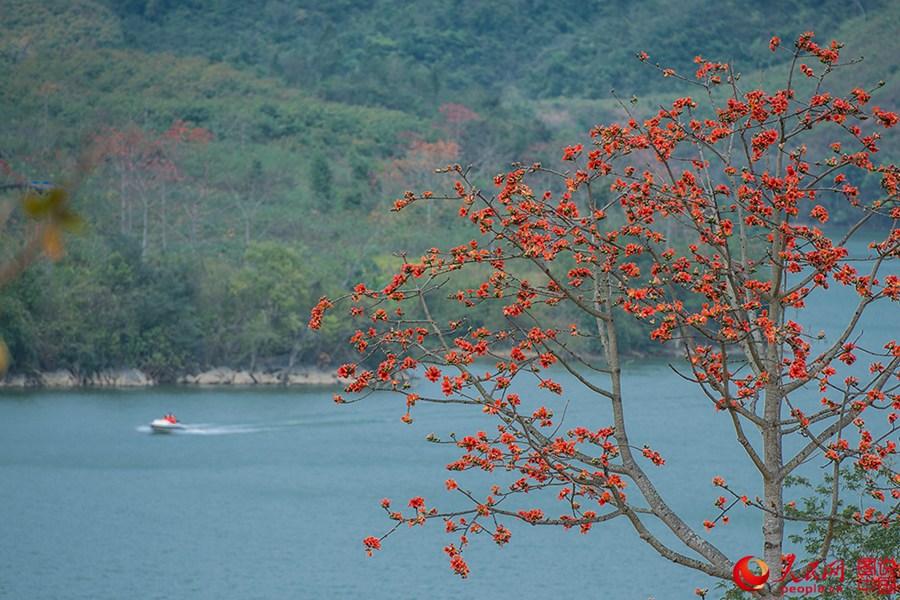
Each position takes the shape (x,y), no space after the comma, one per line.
(170,418)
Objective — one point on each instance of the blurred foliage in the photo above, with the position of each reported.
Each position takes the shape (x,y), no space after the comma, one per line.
(382,53)
(38,228)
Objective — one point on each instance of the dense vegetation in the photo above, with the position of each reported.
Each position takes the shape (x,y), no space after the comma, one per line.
(237,160)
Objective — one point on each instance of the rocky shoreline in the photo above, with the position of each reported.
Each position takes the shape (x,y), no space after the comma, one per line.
(135,378)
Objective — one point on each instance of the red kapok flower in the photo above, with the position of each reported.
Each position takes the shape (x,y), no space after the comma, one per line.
(371,543)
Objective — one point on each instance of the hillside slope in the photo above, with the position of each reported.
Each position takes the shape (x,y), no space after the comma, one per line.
(244,155)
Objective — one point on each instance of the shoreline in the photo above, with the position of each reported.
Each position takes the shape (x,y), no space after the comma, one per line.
(135,378)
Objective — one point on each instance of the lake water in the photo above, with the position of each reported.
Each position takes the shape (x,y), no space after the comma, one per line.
(272,491)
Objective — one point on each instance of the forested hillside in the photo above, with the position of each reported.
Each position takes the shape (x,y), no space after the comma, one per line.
(233,161)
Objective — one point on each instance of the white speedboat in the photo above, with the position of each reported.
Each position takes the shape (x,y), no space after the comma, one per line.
(167,424)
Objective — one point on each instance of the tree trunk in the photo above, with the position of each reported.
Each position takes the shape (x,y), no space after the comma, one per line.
(165,237)
(123,220)
(145,229)
(192,215)
(295,349)
(773,499)
(773,484)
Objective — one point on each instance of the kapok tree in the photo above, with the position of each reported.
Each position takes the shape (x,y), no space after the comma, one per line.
(742,192)
(147,166)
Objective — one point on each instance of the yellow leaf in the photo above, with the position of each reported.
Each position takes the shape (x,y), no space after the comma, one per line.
(56,198)
(70,221)
(38,205)
(53,243)
(4,358)
(35,204)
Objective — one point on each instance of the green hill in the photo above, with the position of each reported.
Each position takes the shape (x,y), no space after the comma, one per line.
(243,155)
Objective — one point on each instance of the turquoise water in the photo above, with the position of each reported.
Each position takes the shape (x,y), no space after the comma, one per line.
(272,494)
(272,491)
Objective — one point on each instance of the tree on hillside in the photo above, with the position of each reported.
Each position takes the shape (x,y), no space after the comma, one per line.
(147,167)
(268,296)
(251,190)
(731,173)
(416,168)
(320,182)
(455,117)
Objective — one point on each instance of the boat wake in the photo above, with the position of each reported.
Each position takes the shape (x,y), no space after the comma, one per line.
(214,429)
(205,429)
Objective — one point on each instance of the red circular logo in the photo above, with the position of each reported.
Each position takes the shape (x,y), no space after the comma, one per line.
(745,578)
